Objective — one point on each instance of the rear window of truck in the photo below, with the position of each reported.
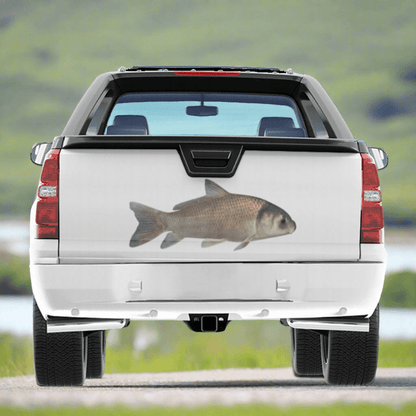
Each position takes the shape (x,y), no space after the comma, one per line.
(205,113)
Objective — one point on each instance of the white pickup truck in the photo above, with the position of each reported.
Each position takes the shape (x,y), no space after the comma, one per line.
(207,195)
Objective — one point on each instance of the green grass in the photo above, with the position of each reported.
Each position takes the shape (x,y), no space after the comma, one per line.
(397,354)
(239,410)
(16,356)
(198,354)
(359,57)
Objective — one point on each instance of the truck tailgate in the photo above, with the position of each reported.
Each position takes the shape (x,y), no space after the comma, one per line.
(320,191)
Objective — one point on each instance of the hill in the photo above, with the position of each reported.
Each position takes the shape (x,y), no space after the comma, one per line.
(361,52)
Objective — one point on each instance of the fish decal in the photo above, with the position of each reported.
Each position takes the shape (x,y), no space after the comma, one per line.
(217,217)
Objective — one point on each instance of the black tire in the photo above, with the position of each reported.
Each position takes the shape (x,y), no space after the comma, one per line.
(306,353)
(60,358)
(350,358)
(96,354)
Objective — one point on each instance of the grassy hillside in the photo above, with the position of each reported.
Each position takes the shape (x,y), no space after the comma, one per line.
(51,52)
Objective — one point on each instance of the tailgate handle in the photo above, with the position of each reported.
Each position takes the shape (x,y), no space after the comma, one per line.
(218,160)
(211,158)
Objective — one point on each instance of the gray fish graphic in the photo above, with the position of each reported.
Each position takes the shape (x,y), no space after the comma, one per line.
(217,217)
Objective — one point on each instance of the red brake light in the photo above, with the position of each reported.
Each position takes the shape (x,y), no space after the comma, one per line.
(370,174)
(50,170)
(372,221)
(371,237)
(47,232)
(372,217)
(47,208)
(47,212)
(209,73)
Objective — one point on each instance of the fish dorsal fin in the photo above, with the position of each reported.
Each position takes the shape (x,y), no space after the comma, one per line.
(212,189)
(188,203)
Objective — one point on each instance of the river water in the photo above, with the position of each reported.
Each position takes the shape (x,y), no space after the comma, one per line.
(16,317)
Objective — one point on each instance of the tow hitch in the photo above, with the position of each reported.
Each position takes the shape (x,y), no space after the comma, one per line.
(208,322)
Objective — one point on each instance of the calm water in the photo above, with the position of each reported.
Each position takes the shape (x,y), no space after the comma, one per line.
(16,317)
(16,314)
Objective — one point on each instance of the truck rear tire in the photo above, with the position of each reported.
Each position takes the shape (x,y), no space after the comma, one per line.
(96,354)
(306,353)
(60,358)
(350,358)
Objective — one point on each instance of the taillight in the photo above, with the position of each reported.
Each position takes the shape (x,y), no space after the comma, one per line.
(372,221)
(209,73)
(47,206)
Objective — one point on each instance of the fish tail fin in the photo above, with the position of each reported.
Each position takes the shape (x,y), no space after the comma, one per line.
(151,224)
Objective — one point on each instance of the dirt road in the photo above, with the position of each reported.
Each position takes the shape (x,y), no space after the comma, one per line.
(392,386)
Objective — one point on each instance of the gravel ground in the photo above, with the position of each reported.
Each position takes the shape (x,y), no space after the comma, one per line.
(393,386)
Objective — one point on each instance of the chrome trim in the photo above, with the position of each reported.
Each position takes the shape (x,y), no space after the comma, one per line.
(54,325)
(334,324)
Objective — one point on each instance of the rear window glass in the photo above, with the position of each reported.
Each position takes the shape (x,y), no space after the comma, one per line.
(205,113)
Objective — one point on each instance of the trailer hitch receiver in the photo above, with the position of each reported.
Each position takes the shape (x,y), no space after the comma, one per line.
(207,322)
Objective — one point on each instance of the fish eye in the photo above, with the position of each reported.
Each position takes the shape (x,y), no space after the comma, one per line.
(283,221)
